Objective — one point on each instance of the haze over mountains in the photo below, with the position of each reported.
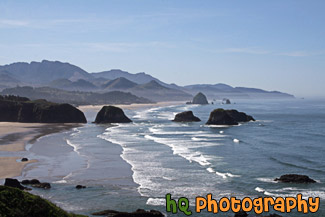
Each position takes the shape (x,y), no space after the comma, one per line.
(64,76)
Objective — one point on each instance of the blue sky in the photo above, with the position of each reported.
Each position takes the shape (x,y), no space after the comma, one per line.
(274,45)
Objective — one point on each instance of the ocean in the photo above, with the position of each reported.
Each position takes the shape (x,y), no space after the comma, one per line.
(131,166)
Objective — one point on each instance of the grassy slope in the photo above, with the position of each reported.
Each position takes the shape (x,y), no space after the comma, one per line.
(17,203)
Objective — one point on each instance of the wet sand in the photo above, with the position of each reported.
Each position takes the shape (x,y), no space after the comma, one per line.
(14,137)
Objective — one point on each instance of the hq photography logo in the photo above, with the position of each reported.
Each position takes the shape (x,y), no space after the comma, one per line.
(247,204)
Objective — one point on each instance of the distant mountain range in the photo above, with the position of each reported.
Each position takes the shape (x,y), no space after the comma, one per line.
(65,76)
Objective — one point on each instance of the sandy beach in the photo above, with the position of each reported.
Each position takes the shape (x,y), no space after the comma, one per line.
(14,137)
(96,108)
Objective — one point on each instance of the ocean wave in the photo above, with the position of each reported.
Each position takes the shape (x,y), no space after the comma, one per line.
(156,201)
(226,175)
(269,180)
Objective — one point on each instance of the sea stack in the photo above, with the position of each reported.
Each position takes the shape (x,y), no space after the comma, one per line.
(227,117)
(294,178)
(186,116)
(21,109)
(111,114)
(200,99)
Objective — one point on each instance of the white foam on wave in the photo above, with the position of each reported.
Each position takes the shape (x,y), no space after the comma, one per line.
(226,175)
(60,181)
(156,131)
(258,189)
(181,150)
(220,126)
(74,146)
(156,201)
(199,139)
(221,131)
(76,131)
(210,170)
(269,180)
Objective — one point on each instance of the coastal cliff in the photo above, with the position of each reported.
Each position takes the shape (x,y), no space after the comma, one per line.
(21,109)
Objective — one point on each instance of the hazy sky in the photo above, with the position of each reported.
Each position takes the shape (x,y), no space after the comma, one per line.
(275,45)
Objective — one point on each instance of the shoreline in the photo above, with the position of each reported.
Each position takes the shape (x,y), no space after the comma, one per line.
(134,106)
(14,137)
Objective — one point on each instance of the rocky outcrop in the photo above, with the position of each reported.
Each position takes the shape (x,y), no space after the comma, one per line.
(36,183)
(226,101)
(241,214)
(39,111)
(200,99)
(294,178)
(14,183)
(111,114)
(15,202)
(186,116)
(228,117)
(138,213)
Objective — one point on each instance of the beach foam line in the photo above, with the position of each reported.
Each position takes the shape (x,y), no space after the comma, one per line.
(226,175)
(156,201)
(268,180)
(181,150)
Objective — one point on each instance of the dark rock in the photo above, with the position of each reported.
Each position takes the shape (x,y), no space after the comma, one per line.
(24,159)
(44,185)
(220,117)
(239,116)
(226,101)
(228,117)
(13,183)
(138,213)
(200,98)
(111,114)
(38,111)
(80,186)
(241,214)
(294,178)
(30,182)
(186,116)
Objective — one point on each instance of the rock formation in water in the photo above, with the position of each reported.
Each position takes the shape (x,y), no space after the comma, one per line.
(111,114)
(186,116)
(20,109)
(226,101)
(200,99)
(294,178)
(228,117)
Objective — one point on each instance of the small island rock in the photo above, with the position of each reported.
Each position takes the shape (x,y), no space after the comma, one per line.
(13,183)
(228,117)
(200,99)
(111,114)
(294,178)
(186,116)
